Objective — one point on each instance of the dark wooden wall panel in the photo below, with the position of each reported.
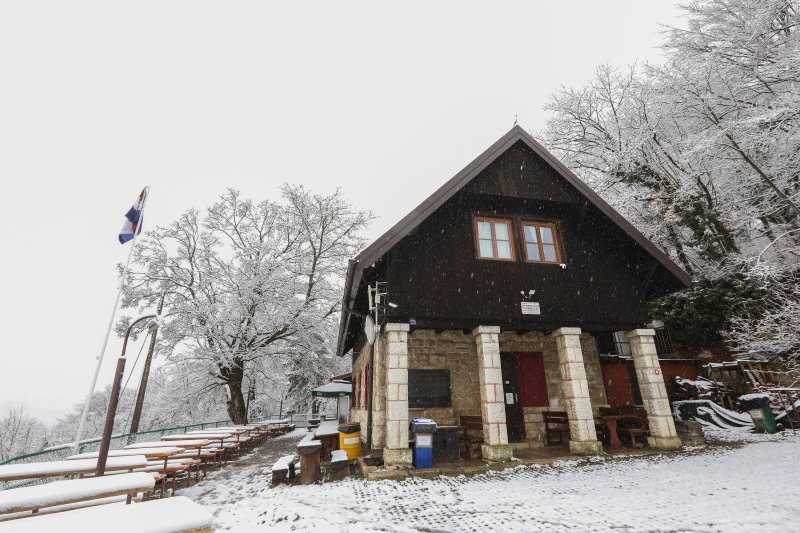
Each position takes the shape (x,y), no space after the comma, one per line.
(435,277)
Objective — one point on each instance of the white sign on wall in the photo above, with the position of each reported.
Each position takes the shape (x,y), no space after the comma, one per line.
(531,308)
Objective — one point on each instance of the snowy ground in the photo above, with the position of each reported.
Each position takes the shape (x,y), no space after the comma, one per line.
(745,483)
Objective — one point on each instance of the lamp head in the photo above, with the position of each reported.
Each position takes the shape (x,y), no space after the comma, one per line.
(154,323)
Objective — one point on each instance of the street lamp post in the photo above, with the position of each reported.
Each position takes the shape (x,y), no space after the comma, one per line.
(152,325)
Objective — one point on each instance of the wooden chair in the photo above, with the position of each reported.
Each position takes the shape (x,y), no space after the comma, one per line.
(556,424)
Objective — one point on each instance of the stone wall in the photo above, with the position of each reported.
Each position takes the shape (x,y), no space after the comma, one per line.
(535,341)
(455,350)
(451,350)
(360,414)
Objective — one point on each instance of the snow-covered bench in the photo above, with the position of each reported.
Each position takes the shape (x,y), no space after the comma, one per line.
(68,468)
(178,514)
(74,490)
(339,460)
(283,468)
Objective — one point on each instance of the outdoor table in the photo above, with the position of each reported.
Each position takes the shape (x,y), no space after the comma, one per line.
(150,453)
(189,443)
(80,467)
(328,434)
(611,423)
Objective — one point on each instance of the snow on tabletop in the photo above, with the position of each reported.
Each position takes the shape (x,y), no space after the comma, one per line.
(211,436)
(68,507)
(70,490)
(169,444)
(174,514)
(166,450)
(57,468)
(329,427)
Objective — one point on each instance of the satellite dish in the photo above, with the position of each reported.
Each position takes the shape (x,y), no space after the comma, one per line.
(369,329)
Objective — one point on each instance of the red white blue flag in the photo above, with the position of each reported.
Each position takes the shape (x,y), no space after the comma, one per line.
(133,219)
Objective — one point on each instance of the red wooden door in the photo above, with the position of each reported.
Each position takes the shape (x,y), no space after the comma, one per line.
(532,380)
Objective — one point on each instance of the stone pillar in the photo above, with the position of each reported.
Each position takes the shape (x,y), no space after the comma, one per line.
(396,450)
(583,437)
(493,410)
(654,393)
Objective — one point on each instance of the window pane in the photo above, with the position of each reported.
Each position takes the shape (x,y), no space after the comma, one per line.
(533,252)
(484,230)
(503,249)
(530,234)
(549,252)
(486,248)
(501,231)
(547,235)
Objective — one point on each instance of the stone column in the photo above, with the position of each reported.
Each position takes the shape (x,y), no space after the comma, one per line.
(493,410)
(583,437)
(654,393)
(396,450)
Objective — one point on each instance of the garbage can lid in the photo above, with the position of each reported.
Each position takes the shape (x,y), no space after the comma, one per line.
(350,427)
(423,425)
(754,401)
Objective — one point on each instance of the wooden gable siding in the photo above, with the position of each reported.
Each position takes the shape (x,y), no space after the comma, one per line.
(435,277)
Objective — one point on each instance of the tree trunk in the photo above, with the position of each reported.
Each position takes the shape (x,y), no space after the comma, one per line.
(237,407)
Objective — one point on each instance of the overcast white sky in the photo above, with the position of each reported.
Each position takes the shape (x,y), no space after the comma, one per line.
(386,101)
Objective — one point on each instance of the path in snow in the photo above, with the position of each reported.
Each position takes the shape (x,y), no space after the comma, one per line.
(749,486)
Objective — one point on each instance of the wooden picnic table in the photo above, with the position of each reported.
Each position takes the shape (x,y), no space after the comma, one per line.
(610,422)
(14,472)
(73,490)
(151,453)
(197,444)
(178,514)
(328,434)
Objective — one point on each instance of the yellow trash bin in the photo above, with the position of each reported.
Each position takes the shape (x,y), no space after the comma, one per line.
(350,440)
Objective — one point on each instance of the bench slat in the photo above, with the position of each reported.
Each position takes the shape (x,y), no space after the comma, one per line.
(177,514)
(67,468)
(73,490)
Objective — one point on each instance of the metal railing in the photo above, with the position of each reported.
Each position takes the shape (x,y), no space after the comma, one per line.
(59,452)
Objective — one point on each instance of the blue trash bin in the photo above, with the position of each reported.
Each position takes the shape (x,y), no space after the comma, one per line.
(423,430)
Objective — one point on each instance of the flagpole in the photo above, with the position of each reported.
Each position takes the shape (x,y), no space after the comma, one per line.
(110,324)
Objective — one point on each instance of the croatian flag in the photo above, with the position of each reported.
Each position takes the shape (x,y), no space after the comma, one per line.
(133,219)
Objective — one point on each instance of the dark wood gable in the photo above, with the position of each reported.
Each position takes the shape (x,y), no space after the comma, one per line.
(430,264)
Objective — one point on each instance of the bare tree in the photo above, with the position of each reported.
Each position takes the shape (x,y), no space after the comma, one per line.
(249,286)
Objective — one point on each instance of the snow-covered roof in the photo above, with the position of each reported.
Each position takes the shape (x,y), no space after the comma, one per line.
(332,390)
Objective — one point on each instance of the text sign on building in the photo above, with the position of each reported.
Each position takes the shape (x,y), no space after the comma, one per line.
(531,308)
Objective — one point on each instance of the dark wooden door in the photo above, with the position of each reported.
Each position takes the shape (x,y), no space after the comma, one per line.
(515,418)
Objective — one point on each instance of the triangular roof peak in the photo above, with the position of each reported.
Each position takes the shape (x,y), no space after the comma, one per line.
(407,224)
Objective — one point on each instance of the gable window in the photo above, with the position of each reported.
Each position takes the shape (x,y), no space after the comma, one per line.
(493,237)
(540,242)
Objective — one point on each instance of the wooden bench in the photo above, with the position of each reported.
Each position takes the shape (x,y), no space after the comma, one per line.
(14,472)
(471,434)
(179,515)
(283,469)
(74,490)
(556,424)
